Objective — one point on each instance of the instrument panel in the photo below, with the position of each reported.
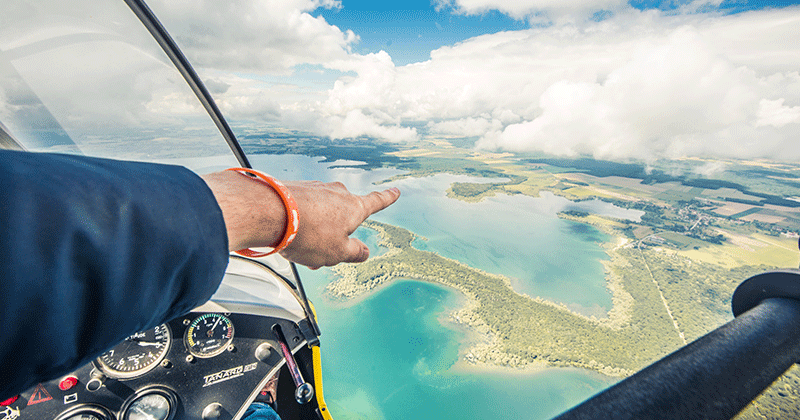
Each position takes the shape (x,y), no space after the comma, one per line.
(199,366)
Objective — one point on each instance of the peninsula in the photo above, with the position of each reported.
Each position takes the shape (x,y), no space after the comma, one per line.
(520,330)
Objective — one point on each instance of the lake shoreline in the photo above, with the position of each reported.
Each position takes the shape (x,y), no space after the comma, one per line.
(485,348)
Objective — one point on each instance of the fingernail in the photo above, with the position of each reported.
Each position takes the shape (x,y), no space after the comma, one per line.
(395,189)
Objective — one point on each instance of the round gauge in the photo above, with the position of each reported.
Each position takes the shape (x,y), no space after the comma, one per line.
(149,407)
(85,413)
(137,355)
(85,416)
(209,335)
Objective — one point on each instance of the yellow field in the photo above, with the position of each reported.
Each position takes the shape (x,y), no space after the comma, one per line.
(755,249)
(732,208)
(414,153)
(763,218)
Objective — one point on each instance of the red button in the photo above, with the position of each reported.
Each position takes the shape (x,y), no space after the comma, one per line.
(9,401)
(68,383)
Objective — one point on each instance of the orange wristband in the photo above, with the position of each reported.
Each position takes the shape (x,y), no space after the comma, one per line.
(292,217)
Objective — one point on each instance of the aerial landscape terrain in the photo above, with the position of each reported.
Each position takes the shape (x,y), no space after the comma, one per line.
(670,274)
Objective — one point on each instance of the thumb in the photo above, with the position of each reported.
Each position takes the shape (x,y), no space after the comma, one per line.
(355,251)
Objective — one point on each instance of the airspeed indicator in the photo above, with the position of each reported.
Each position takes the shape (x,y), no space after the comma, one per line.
(137,355)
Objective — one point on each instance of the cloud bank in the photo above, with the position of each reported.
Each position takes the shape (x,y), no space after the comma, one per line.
(642,84)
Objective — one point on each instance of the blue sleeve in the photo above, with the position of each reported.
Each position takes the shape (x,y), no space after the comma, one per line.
(260,411)
(93,250)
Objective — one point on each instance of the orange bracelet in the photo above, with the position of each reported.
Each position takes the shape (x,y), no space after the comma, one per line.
(292,217)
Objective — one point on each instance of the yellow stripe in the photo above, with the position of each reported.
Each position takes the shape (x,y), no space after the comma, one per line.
(317,360)
(313,309)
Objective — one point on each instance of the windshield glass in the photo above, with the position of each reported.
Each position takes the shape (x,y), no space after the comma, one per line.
(87,78)
(588,181)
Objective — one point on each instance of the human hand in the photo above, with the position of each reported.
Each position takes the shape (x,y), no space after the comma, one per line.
(329,214)
(255,217)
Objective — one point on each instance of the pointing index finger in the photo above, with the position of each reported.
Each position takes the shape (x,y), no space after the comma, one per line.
(379,200)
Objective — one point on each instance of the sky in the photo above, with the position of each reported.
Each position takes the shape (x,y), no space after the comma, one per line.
(606,78)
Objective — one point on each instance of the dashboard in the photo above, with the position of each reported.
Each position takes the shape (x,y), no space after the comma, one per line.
(204,365)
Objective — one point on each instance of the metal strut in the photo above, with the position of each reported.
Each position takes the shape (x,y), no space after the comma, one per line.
(174,53)
(157,30)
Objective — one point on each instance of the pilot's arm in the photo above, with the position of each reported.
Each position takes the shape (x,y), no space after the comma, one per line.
(93,250)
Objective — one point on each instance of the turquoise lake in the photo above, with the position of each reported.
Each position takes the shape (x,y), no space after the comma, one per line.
(391,355)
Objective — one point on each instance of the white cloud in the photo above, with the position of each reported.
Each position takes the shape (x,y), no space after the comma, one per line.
(670,92)
(641,84)
(354,107)
(710,169)
(241,98)
(465,127)
(774,113)
(355,124)
(254,35)
(520,9)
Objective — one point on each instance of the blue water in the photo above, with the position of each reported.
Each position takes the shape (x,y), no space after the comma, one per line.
(391,355)
(516,236)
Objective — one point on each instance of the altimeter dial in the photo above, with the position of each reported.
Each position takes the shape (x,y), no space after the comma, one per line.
(137,355)
(209,335)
